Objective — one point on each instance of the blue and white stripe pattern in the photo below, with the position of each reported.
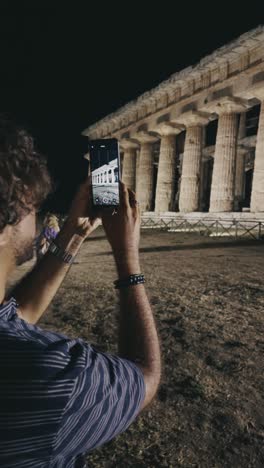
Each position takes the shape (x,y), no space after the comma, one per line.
(59,397)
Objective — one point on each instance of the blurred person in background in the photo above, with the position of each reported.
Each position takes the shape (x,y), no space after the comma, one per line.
(48,233)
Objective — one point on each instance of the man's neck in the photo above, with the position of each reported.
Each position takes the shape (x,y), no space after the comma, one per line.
(5,270)
(2,289)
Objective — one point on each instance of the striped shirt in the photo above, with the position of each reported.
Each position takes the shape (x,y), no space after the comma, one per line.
(59,397)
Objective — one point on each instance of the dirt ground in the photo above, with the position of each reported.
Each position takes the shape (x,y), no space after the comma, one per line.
(208,300)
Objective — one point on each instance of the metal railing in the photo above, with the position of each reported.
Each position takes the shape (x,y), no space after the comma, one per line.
(238,229)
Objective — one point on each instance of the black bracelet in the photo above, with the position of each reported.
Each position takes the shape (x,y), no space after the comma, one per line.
(63,255)
(130,281)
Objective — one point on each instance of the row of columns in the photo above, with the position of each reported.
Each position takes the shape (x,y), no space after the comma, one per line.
(229,161)
(107,177)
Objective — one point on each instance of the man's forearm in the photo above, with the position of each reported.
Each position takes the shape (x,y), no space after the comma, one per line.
(138,338)
(36,289)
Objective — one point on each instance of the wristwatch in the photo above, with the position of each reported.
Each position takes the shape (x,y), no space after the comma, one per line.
(63,255)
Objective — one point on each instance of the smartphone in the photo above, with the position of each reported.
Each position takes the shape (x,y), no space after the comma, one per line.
(105,172)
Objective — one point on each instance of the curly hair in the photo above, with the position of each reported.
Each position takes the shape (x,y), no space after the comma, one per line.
(24,178)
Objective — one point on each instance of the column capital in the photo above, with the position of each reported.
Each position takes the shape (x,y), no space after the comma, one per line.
(128,143)
(193,118)
(167,128)
(227,105)
(144,137)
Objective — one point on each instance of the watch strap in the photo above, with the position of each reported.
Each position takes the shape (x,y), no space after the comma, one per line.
(63,255)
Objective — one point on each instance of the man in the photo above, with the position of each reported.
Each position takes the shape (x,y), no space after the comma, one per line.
(60,398)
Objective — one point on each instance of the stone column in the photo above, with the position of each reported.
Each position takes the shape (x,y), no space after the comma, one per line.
(194,122)
(145,175)
(239,176)
(222,190)
(191,170)
(257,194)
(166,174)
(202,184)
(240,163)
(165,190)
(202,173)
(129,163)
(223,179)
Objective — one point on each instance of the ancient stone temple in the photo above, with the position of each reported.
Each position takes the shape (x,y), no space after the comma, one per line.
(195,143)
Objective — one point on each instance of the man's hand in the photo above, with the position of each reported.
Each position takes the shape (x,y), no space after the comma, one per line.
(123,231)
(83,217)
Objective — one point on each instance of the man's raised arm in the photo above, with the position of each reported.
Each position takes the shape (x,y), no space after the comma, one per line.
(37,288)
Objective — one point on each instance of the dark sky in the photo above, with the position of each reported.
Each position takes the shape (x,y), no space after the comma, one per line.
(63,68)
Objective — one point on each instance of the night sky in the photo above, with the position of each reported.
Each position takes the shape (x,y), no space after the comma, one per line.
(64,68)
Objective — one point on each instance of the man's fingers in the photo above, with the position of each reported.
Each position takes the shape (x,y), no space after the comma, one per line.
(95,222)
(124,195)
(131,194)
(132,198)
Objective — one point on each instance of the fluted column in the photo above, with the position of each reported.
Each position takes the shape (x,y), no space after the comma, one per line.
(145,175)
(257,195)
(166,174)
(223,179)
(202,184)
(222,190)
(202,173)
(240,176)
(165,190)
(240,163)
(194,122)
(129,163)
(191,168)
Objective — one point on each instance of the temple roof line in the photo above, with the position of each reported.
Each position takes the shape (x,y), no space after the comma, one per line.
(169,91)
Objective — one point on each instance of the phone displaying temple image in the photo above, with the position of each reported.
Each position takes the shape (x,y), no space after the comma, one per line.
(105,171)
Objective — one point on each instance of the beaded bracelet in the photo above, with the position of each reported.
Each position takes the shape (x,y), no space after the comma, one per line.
(130,281)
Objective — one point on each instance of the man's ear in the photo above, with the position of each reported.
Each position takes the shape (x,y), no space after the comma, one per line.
(5,236)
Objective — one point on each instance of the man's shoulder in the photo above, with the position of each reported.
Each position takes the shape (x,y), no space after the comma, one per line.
(12,317)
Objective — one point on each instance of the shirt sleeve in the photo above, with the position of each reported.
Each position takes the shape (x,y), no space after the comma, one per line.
(106,400)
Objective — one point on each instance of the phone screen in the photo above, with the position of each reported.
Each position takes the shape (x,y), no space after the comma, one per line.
(105,171)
